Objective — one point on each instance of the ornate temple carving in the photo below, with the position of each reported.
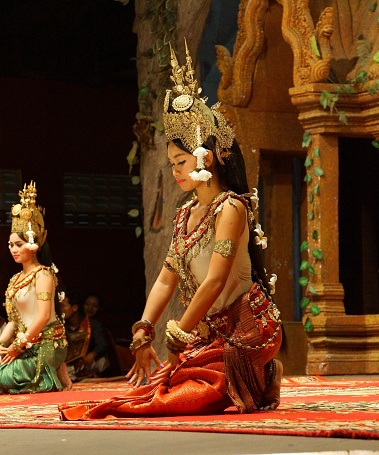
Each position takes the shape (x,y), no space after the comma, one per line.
(324,61)
(238,70)
(310,45)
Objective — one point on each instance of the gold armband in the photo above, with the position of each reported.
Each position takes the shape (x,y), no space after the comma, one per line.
(225,248)
(44,296)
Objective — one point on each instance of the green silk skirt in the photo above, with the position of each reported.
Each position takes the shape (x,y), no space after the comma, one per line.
(35,370)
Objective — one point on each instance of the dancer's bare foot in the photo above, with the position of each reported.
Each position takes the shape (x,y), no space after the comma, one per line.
(64,377)
(271,398)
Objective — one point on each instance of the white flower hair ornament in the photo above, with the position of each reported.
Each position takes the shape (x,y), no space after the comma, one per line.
(261,239)
(200,173)
(61,296)
(30,245)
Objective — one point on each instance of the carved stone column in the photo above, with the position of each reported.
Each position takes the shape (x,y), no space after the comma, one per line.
(322,229)
(338,343)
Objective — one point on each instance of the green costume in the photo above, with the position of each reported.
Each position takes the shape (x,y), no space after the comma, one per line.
(35,370)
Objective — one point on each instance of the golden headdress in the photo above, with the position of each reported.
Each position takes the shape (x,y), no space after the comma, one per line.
(187,117)
(27,218)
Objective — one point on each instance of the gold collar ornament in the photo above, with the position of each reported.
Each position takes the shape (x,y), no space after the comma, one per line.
(187,117)
(27,218)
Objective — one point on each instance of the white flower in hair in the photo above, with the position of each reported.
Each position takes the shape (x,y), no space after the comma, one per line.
(272,282)
(261,239)
(200,173)
(61,296)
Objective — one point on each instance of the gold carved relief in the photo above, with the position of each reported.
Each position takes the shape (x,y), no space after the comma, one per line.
(309,44)
(237,71)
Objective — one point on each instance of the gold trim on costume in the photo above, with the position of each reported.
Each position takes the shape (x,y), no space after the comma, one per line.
(225,247)
(44,296)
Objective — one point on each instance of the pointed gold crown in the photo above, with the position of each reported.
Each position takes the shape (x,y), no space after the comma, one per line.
(186,115)
(27,218)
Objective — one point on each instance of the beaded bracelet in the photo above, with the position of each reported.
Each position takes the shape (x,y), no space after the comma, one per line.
(172,344)
(146,325)
(176,332)
(138,343)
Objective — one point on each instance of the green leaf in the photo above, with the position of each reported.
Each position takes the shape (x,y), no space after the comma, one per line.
(362,76)
(308,326)
(307,178)
(136,179)
(314,46)
(315,235)
(312,290)
(311,197)
(138,231)
(308,162)
(373,7)
(304,246)
(133,213)
(317,253)
(375,144)
(143,90)
(342,118)
(304,265)
(316,189)
(376,55)
(311,215)
(315,310)
(132,155)
(318,171)
(327,99)
(316,152)
(311,270)
(307,139)
(158,126)
(304,302)
(303,281)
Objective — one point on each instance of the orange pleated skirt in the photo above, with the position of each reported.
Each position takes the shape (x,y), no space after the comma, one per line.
(212,376)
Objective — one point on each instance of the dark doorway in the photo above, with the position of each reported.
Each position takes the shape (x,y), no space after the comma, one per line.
(359,224)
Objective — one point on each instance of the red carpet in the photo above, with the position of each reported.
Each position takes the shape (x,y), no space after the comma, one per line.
(310,406)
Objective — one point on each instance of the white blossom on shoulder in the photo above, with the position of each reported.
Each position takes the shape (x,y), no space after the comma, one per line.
(261,239)
(272,282)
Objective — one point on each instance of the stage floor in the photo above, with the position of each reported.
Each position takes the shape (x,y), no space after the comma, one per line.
(130,442)
(119,442)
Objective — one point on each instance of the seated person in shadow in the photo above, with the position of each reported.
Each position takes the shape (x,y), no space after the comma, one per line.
(93,304)
(87,345)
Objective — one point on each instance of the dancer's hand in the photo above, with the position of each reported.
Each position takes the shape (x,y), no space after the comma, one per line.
(173,360)
(7,355)
(141,367)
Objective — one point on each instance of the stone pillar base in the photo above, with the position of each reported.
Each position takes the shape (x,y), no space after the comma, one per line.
(344,345)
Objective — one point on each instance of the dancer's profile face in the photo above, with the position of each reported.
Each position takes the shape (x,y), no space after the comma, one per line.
(182,163)
(18,250)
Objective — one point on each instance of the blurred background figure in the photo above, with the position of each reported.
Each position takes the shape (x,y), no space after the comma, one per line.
(87,344)
(92,304)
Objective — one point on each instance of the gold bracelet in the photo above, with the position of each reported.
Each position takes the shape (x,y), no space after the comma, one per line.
(3,344)
(17,346)
(138,343)
(145,325)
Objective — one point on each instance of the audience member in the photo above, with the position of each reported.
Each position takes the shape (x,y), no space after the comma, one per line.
(87,343)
